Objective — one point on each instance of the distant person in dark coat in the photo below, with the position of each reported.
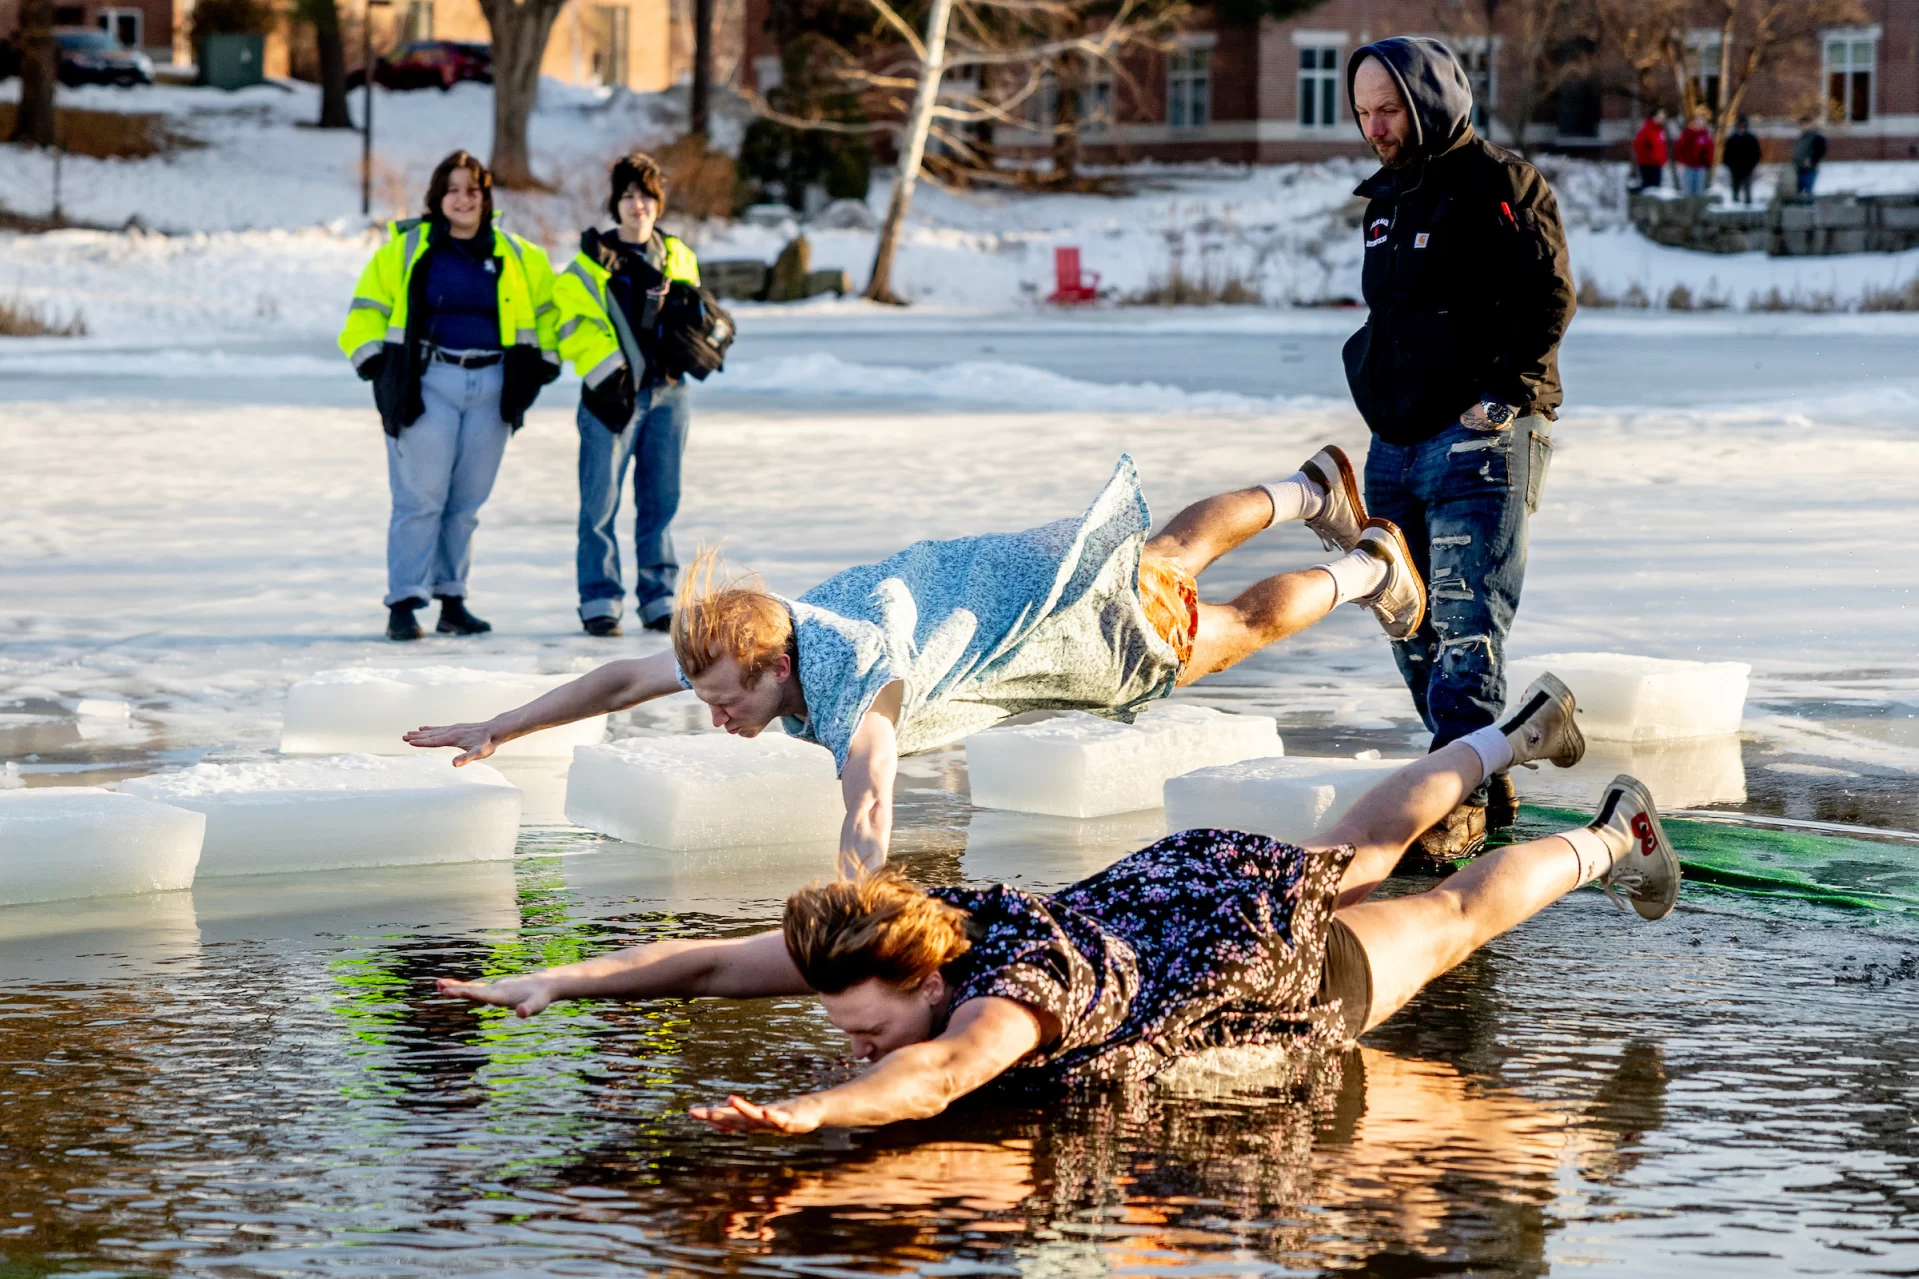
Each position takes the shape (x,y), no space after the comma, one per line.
(1807,152)
(1457,375)
(1741,156)
(1649,150)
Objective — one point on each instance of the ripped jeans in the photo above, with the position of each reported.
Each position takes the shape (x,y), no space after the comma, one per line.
(1462,499)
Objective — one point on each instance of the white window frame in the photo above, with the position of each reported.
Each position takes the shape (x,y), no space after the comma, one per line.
(1485,49)
(109,22)
(768,73)
(419,20)
(1703,47)
(1852,38)
(1189,64)
(1312,86)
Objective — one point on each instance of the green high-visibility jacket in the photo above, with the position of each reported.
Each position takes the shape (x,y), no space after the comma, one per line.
(586,336)
(380,321)
(378,312)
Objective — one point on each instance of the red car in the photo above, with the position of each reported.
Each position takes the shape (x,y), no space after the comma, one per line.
(421,64)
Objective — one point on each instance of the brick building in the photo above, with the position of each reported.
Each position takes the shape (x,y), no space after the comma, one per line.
(1276,91)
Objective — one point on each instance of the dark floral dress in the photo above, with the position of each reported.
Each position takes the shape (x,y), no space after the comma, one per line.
(1205,939)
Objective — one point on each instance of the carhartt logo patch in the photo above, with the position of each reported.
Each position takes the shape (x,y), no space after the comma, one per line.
(1419,241)
(1376,233)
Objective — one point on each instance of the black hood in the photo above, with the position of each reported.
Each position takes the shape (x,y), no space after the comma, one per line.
(1434,86)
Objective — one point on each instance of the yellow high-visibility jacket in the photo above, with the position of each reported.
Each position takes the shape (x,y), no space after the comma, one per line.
(586,336)
(377,320)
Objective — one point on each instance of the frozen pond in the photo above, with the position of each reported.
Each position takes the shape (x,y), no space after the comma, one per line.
(252,1078)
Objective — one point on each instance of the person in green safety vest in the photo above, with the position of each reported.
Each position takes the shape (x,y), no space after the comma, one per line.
(633,408)
(454,325)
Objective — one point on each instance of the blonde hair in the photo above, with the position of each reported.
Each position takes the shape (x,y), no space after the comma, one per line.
(717,614)
(877,924)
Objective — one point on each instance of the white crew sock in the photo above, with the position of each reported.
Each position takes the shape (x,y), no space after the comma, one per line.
(1494,751)
(1594,850)
(1295,498)
(1356,575)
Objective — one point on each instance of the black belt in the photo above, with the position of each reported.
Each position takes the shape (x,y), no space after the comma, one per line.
(479,361)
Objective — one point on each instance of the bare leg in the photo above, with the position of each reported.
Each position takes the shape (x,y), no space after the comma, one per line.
(1411,940)
(1211,527)
(1265,612)
(1390,816)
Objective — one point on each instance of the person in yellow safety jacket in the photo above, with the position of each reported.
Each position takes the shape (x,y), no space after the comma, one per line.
(633,408)
(453,323)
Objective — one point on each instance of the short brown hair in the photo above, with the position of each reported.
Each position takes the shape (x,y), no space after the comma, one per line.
(635,169)
(879,924)
(717,615)
(443,178)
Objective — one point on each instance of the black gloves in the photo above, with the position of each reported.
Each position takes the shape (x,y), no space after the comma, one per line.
(613,400)
(369,368)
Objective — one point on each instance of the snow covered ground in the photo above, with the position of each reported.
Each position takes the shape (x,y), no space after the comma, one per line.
(259,230)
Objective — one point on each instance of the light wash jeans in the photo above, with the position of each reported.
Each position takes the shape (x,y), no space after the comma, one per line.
(1697,180)
(441,470)
(653,444)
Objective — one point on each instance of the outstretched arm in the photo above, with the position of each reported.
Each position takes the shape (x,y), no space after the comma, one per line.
(867,784)
(737,968)
(612,687)
(985,1036)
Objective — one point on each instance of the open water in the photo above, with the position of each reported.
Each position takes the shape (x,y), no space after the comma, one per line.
(256,1078)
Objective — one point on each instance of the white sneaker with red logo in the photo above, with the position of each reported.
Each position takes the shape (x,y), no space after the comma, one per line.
(1645,876)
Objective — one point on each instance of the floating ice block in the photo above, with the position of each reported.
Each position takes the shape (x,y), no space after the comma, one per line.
(1623,698)
(706,790)
(1291,799)
(366,709)
(342,811)
(1690,773)
(58,842)
(1080,765)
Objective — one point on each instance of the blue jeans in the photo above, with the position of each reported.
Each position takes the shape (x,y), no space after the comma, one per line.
(1462,499)
(653,442)
(1697,180)
(1806,178)
(441,471)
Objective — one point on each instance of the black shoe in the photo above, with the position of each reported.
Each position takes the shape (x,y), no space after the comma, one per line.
(400,622)
(1458,836)
(455,620)
(664,623)
(1502,802)
(602,626)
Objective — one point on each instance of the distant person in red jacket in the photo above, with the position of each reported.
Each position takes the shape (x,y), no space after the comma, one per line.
(1694,154)
(1649,149)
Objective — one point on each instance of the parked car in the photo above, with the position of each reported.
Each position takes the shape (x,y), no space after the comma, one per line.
(89,56)
(423,64)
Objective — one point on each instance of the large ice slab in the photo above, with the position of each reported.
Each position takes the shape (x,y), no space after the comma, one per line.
(706,790)
(1623,698)
(1080,765)
(1692,772)
(342,811)
(58,842)
(1292,799)
(365,709)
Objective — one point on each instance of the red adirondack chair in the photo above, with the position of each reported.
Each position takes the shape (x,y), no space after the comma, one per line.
(1072,286)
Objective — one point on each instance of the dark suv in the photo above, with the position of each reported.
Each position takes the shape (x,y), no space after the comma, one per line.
(94,57)
(421,64)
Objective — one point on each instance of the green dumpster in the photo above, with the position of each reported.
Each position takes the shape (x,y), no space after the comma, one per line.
(233,61)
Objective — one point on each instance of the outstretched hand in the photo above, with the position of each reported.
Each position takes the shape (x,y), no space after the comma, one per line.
(474,740)
(741,1115)
(524,995)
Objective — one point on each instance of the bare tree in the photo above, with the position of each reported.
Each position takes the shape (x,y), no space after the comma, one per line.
(1530,34)
(520,31)
(35,121)
(1754,37)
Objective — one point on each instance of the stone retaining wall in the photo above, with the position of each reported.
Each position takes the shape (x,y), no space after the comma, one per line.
(1785,228)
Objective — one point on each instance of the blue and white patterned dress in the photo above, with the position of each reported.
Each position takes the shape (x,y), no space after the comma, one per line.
(1206,939)
(982,628)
